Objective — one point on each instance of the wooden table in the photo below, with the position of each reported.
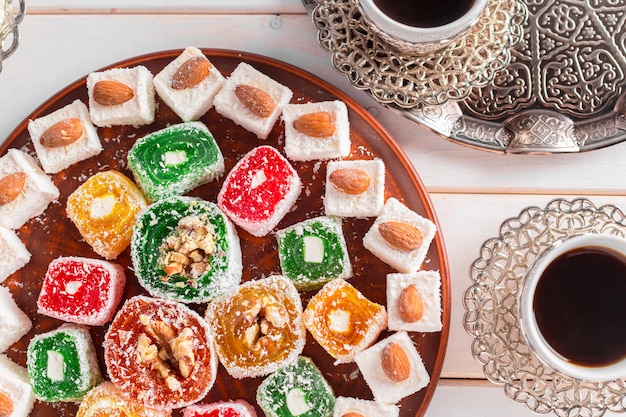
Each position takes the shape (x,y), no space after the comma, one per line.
(473,191)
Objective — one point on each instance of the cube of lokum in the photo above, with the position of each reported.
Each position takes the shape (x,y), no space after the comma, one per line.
(13,253)
(252,100)
(121,96)
(318,130)
(237,408)
(354,188)
(187,250)
(259,190)
(366,408)
(62,364)
(64,137)
(31,190)
(106,400)
(258,328)
(160,353)
(414,301)
(297,389)
(400,237)
(313,252)
(343,321)
(104,209)
(15,387)
(388,384)
(189,84)
(81,290)
(175,160)
(14,323)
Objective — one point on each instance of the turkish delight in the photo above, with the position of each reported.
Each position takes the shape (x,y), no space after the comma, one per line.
(64,137)
(189,84)
(186,249)
(175,160)
(259,190)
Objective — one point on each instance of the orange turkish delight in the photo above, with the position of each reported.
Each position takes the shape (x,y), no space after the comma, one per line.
(105,209)
(343,321)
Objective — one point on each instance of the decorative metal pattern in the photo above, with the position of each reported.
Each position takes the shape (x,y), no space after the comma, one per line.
(491,314)
(570,62)
(9,33)
(416,81)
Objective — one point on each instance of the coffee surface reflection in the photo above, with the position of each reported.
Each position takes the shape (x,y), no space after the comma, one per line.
(580,306)
(424,13)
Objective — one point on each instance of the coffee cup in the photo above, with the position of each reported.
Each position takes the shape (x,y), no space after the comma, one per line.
(421,26)
(572,307)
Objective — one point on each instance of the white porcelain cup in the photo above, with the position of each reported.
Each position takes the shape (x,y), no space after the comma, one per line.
(419,40)
(528,317)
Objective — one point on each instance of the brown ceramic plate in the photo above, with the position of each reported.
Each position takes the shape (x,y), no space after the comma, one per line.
(52,234)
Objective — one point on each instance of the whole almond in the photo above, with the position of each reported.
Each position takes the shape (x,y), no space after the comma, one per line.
(401,235)
(191,73)
(255,99)
(62,133)
(11,186)
(319,124)
(350,180)
(112,93)
(6,405)
(352,414)
(410,304)
(395,362)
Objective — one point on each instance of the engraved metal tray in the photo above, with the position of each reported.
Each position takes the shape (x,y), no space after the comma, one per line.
(10,17)
(562,90)
(491,314)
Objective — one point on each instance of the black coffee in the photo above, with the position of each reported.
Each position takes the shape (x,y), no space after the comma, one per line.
(580,306)
(424,13)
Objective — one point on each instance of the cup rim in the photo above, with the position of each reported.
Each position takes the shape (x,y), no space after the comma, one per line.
(529,327)
(418,34)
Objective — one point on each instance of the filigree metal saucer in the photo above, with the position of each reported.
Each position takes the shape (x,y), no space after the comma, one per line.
(491,315)
(408,82)
(9,32)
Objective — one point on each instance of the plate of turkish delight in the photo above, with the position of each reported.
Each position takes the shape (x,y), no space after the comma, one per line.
(205,232)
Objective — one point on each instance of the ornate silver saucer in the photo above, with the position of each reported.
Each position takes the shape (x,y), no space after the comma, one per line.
(559,89)
(407,82)
(491,315)
(9,32)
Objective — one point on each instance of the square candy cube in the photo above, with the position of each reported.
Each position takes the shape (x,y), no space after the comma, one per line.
(14,323)
(105,209)
(365,408)
(175,160)
(252,100)
(414,301)
(15,387)
(388,385)
(81,290)
(62,364)
(316,130)
(64,137)
(313,252)
(121,96)
(295,390)
(343,321)
(13,254)
(259,190)
(26,189)
(355,188)
(237,408)
(189,84)
(400,237)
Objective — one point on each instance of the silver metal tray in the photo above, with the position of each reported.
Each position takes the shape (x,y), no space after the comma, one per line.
(11,15)
(491,314)
(557,87)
